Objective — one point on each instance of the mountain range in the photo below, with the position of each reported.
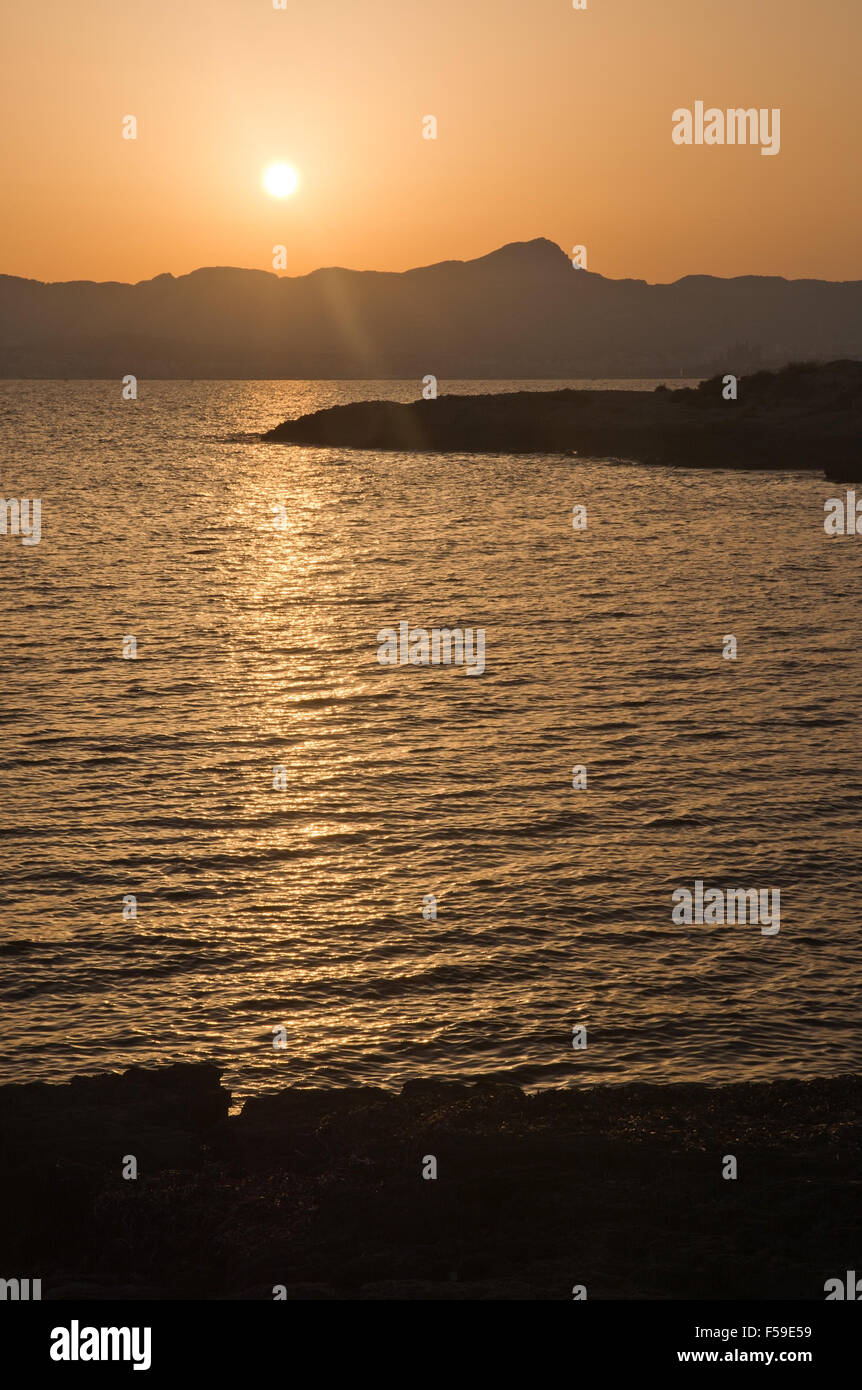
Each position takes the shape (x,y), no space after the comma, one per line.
(521,311)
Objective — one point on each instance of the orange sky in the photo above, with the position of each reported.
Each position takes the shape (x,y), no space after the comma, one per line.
(552,122)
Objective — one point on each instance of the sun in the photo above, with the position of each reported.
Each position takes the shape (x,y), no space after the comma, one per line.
(280,180)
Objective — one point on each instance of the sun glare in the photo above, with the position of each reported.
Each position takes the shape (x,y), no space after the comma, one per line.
(280,180)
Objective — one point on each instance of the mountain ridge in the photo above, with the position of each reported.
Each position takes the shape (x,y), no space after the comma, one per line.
(559,257)
(521,310)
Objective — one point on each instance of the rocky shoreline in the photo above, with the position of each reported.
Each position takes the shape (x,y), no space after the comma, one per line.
(321,1194)
(805,416)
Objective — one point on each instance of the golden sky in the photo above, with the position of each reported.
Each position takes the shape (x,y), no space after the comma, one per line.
(551,122)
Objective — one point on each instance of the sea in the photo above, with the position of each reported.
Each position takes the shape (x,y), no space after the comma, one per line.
(231,834)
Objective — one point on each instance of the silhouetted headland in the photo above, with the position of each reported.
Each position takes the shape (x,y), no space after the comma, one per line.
(616,1188)
(806,415)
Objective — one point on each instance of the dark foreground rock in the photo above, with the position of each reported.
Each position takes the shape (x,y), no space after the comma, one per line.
(616,1188)
(804,416)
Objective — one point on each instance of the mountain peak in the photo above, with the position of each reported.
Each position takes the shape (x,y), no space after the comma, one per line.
(538,251)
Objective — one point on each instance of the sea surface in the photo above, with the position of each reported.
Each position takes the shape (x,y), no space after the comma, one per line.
(301,908)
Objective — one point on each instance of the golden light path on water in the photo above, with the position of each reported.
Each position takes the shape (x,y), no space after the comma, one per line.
(260,908)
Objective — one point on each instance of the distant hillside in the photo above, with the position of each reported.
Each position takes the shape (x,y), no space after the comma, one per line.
(522,311)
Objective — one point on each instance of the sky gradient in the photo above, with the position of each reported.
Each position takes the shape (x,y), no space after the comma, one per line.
(551,122)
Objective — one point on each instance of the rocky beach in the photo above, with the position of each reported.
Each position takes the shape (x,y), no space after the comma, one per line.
(617,1191)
